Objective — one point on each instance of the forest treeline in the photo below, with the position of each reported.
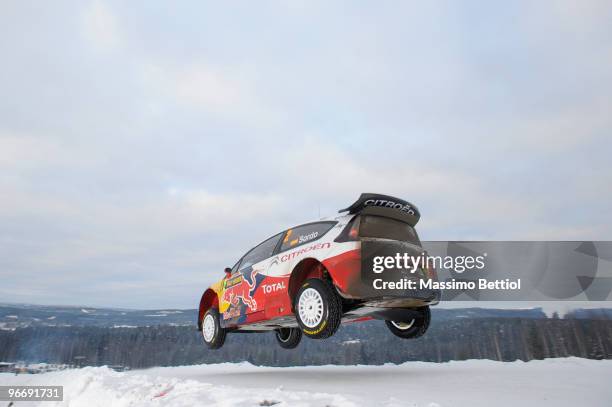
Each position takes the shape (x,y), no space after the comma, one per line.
(493,338)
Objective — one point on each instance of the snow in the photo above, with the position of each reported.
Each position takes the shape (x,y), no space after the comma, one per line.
(547,307)
(552,382)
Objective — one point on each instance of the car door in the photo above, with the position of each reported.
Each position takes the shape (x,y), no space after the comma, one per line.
(297,244)
(242,289)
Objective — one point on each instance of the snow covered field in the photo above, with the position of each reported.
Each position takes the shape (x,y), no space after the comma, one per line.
(553,382)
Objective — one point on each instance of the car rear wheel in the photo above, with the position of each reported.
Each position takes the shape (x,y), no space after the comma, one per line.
(412,328)
(318,309)
(288,338)
(212,332)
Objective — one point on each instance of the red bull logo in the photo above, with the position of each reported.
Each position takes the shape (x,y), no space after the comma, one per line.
(238,288)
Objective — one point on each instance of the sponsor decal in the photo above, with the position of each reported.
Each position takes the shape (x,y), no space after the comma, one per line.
(310,236)
(238,288)
(232,313)
(233,281)
(274,287)
(316,331)
(386,203)
(298,253)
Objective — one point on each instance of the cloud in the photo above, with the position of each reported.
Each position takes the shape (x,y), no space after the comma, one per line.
(223,93)
(143,149)
(201,86)
(449,198)
(24,153)
(100,26)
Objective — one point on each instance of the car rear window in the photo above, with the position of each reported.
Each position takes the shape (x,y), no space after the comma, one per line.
(386,228)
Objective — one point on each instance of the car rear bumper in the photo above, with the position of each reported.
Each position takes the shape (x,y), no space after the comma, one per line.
(353,276)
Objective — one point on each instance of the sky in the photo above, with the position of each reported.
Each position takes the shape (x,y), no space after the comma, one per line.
(145,145)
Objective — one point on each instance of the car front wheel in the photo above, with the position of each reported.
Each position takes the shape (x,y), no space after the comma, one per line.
(288,338)
(212,332)
(318,309)
(412,328)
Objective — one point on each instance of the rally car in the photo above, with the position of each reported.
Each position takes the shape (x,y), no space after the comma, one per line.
(310,278)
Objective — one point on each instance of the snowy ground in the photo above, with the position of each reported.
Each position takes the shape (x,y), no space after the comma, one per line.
(553,382)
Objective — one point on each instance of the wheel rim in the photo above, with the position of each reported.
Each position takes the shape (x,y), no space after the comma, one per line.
(403,325)
(209,328)
(283,335)
(310,307)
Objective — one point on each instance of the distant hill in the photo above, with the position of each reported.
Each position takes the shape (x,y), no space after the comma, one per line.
(138,339)
(19,316)
(23,315)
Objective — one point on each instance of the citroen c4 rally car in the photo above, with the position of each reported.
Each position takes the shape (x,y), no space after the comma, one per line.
(311,278)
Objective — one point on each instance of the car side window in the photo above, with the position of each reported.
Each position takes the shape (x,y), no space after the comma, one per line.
(304,234)
(260,252)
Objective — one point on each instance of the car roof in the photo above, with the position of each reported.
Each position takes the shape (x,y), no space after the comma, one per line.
(337,218)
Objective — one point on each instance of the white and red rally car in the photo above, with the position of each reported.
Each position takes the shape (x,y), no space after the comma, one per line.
(310,278)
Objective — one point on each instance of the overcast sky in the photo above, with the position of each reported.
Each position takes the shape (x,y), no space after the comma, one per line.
(146,145)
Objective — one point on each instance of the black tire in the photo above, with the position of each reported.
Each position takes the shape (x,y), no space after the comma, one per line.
(327,319)
(288,338)
(216,340)
(412,329)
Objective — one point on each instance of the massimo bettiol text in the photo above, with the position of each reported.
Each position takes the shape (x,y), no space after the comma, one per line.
(424,266)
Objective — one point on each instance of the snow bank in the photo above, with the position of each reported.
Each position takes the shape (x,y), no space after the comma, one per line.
(552,382)
(103,387)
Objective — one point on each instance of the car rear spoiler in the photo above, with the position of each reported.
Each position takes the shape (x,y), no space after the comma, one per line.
(385,205)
